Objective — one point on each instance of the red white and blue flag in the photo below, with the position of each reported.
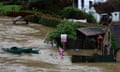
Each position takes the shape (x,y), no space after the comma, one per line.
(61,52)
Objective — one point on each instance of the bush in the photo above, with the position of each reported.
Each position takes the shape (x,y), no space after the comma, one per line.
(90,18)
(64,27)
(75,13)
(44,21)
(49,22)
(34,18)
(114,44)
(70,12)
(1,4)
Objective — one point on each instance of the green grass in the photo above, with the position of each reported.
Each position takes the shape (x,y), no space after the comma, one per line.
(1,4)
(7,8)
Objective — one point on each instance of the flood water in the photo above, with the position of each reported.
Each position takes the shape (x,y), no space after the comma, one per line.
(32,36)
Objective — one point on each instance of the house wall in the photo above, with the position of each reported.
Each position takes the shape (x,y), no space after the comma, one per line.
(107,41)
(97,16)
(87,9)
(100,0)
(115,16)
(87,4)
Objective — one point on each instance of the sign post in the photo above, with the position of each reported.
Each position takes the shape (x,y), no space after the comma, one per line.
(63,39)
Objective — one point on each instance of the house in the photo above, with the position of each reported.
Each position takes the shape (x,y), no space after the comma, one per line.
(87,6)
(100,9)
(92,39)
(89,37)
(107,42)
(110,8)
(93,45)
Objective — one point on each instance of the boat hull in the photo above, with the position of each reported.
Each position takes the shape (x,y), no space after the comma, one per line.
(20,50)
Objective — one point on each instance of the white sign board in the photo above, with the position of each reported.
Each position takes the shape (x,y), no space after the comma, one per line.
(63,38)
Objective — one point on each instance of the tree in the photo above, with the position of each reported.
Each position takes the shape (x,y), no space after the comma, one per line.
(74,13)
(52,5)
(65,27)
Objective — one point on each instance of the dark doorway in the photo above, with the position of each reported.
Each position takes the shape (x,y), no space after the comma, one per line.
(75,3)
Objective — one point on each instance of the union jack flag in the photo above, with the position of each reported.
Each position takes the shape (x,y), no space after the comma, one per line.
(61,52)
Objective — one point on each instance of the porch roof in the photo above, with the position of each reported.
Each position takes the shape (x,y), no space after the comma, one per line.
(91,31)
(107,7)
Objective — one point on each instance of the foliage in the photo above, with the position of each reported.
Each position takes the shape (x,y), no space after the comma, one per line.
(90,18)
(7,8)
(63,12)
(34,18)
(49,22)
(70,12)
(75,13)
(49,4)
(65,27)
(52,7)
(1,4)
(114,45)
(44,21)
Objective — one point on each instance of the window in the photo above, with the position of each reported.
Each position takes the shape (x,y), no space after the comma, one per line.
(90,4)
(109,38)
(82,3)
(75,3)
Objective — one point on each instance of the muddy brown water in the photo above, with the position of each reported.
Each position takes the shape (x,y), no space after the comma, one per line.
(31,36)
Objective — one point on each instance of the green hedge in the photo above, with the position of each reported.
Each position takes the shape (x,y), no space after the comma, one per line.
(34,18)
(90,18)
(70,12)
(44,21)
(49,22)
(114,44)
(75,13)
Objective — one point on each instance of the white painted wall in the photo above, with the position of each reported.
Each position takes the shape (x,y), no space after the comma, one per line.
(100,1)
(79,4)
(97,17)
(76,20)
(86,8)
(116,16)
(86,4)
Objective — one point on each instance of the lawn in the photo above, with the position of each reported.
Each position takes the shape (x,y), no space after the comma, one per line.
(6,8)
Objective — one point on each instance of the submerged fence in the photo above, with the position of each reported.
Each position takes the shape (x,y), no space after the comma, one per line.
(94,58)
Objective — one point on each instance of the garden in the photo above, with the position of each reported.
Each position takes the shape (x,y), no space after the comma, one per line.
(56,18)
(6,8)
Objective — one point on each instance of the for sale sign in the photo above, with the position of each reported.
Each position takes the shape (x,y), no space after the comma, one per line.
(63,38)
